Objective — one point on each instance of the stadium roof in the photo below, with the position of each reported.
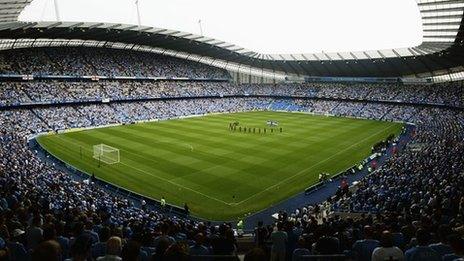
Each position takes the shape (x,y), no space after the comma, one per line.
(441,51)
(10,9)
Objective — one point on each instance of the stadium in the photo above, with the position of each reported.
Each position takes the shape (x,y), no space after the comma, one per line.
(135,142)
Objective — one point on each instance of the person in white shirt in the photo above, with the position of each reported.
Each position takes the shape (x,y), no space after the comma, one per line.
(387,251)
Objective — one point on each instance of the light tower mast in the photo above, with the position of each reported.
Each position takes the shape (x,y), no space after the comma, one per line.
(138,13)
(57,12)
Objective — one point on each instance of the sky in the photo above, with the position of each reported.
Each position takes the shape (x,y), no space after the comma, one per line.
(265,26)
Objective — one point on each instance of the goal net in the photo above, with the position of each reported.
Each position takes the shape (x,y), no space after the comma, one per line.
(106,154)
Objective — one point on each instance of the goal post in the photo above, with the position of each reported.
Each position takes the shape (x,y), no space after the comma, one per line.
(106,154)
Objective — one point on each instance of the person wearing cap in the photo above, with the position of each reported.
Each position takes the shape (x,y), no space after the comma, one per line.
(17,249)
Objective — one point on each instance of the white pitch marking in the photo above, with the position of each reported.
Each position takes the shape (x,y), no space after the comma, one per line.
(166,180)
(304,170)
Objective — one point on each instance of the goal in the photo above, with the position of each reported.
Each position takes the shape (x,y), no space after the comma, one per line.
(106,154)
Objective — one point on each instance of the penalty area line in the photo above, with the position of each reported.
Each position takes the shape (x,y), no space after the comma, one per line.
(160,178)
(176,184)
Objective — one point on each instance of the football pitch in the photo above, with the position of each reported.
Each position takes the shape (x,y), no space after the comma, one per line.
(223,174)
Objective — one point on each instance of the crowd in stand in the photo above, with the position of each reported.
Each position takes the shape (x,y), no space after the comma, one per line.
(410,208)
(102,62)
(44,211)
(73,61)
(70,91)
(86,115)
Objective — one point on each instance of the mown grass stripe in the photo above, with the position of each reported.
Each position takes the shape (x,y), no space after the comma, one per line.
(175,158)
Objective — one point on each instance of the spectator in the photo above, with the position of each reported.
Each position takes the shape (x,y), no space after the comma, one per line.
(198,249)
(422,251)
(261,235)
(132,252)
(48,203)
(16,246)
(34,233)
(47,250)
(4,253)
(386,250)
(81,248)
(161,248)
(255,254)
(364,248)
(442,247)
(279,240)
(457,244)
(177,251)
(300,251)
(99,248)
(223,242)
(113,250)
(327,244)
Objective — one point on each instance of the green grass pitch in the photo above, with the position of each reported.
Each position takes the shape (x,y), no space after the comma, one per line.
(223,175)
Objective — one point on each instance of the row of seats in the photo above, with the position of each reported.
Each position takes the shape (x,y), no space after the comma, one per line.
(61,91)
(45,214)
